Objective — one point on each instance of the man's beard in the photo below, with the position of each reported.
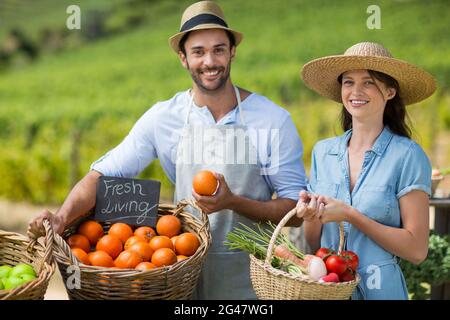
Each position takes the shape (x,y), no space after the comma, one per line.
(195,75)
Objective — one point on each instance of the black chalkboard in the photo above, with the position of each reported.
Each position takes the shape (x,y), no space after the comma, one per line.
(132,201)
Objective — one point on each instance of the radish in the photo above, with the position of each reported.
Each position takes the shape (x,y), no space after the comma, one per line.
(331,277)
(311,265)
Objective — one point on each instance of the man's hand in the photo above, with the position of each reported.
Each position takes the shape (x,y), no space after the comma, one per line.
(36,227)
(222,199)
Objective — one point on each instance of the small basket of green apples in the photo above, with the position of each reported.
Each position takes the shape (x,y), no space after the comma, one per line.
(26,266)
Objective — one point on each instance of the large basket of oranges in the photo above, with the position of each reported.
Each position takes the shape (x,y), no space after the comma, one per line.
(26,266)
(100,260)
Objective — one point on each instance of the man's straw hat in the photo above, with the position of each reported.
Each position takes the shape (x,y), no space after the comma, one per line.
(202,15)
(321,75)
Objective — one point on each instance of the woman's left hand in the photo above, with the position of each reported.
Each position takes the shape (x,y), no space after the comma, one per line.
(333,210)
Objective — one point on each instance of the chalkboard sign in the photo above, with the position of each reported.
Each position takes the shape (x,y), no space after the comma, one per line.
(132,201)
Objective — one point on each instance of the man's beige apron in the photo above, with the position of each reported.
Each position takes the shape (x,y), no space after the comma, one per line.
(226,273)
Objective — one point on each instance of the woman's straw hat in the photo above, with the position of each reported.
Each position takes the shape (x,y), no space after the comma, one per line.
(202,15)
(321,75)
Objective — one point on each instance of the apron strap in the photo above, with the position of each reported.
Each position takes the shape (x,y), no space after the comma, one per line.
(238,98)
(191,103)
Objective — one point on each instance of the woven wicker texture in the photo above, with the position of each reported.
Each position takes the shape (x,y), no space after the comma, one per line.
(321,75)
(16,248)
(167,283)
(273,284)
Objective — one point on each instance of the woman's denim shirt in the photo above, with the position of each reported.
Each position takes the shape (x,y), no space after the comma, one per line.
(393,167)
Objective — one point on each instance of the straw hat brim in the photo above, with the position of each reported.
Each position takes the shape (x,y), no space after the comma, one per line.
(175,39)
(321,75)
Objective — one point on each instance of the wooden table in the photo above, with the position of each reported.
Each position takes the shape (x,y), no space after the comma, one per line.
(442,227)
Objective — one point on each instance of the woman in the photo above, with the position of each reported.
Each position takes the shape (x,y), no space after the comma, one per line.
(373,178)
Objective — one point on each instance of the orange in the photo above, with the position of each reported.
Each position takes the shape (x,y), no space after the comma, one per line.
(147,232)
(134,239)
(121,230)
(181,257)
(143,249)
(127,260)
(79,241)
(100,259)
(145,266)
(110,244)
(164,257)
(81,255)
(92,230)
(159,242)
(168,225)
(187,244)
(205,183)
(174,240)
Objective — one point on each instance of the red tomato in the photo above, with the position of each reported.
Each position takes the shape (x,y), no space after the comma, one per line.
(352,259)
(324,253)
(348,275)
(336,264)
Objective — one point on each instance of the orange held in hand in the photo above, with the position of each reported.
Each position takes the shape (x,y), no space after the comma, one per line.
(92,230)
(205,183)
(168,225)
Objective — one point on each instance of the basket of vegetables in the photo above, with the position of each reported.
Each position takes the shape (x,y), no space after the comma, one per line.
(279,271)
(117,261)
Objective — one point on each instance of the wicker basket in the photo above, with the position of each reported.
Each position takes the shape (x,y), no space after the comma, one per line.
(178,281)
(16,248)
(273,284)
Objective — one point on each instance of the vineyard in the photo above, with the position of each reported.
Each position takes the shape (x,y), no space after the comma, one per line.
(66,109)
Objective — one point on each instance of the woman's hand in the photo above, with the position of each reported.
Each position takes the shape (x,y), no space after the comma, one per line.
(308,206)
(334,210)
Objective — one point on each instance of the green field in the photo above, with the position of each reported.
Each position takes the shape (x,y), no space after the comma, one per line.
(100,89)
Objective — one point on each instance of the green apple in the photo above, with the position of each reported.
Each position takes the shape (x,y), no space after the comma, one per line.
(5,271)
(1,284)
(21,269)
(13,282)
(28,277)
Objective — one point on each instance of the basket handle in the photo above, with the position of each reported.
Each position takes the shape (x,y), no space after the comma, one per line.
(61,246)
(191,202)
(49,236)
(283,222)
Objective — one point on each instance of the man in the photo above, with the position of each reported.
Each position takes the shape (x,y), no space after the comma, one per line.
(204,118)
